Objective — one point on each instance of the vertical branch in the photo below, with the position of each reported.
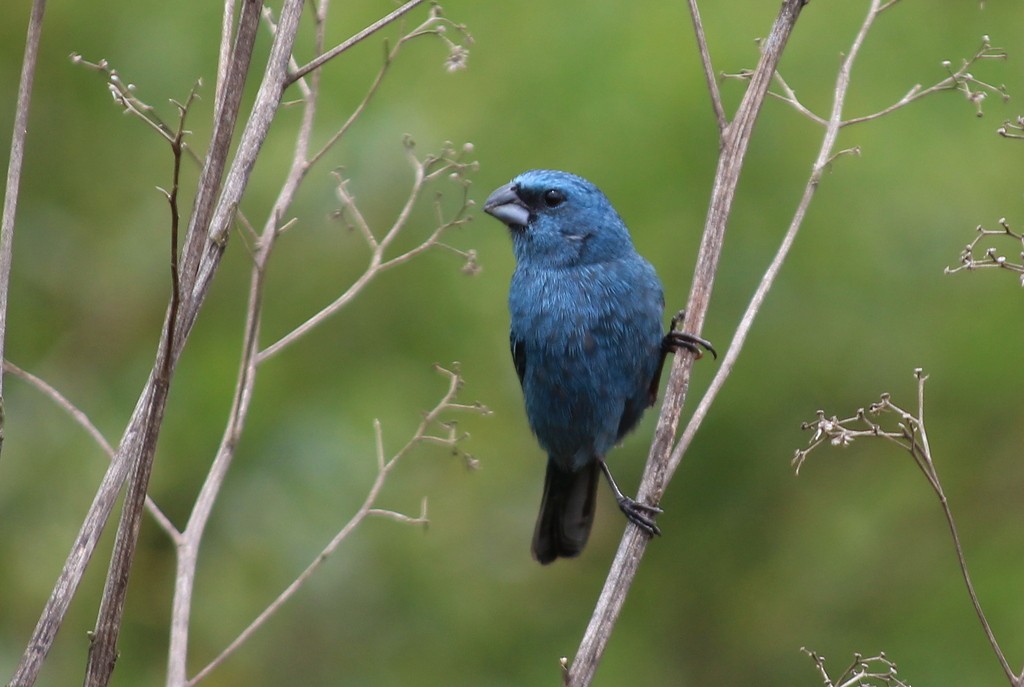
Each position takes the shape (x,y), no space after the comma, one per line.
(207,248)
(52,617)
(103,644)
(230,85)
(14,166)
(188,544)
(709,71)
(735,141)
(825,156)
(134,440)
(227,31)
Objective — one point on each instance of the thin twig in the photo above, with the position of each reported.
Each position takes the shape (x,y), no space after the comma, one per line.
(448,162)
(123,93)
(103,641)
(992,256)
(14,167)
(910,434)
(1012,128)
(85,423)
(354,40)
(389,56)
(420,519)
(925,455)
(834,123)
(788,95)
(384,469)
(709,70)
(961,79)
(862,672)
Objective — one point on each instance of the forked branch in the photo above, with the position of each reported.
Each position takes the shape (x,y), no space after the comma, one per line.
(962,80)
(433,429)
(875,671)
(261,248)
(908,431)
(993,257)
(451,163)
(82,420)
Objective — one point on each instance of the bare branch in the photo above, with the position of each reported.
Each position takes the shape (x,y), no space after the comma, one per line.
(356,39)
(368,507)
(230,86)
(863,672)
(188,545)
(788,95)
(431,27)
(824,159)
(962,80)
(224,51)
(14,167)
(103,641)
(992,256)
(709,70)
(448,162)
(420,519)
(911,435)
(139,436)
(265,242)
(85,423)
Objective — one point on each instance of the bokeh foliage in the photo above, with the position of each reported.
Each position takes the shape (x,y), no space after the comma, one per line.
(755,563)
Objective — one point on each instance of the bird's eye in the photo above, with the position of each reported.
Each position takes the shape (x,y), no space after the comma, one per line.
(553,198)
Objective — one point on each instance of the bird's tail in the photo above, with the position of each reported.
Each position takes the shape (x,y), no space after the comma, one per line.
(566,512)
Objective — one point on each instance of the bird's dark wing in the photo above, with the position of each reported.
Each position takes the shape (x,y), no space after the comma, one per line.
(631,413)
(518,355)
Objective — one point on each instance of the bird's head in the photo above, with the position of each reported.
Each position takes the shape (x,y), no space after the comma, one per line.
(559,219)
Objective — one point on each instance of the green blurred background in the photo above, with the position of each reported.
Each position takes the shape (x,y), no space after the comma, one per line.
(852,556)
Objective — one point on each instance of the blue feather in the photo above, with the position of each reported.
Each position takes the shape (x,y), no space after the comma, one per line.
(586,338)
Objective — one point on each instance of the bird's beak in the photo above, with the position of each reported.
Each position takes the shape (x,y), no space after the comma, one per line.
(506,205)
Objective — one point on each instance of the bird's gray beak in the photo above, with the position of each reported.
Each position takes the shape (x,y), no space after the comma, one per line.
(506,205)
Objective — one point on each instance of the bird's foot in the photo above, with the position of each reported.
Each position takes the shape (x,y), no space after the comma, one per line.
(677,339)
(640,514)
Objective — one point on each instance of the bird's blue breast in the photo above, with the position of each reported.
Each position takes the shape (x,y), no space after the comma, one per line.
(590,338)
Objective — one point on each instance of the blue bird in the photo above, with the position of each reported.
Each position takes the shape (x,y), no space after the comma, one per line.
(587,343)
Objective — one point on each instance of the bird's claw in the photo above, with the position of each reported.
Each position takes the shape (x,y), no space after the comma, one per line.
(677,339)
(640,514)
